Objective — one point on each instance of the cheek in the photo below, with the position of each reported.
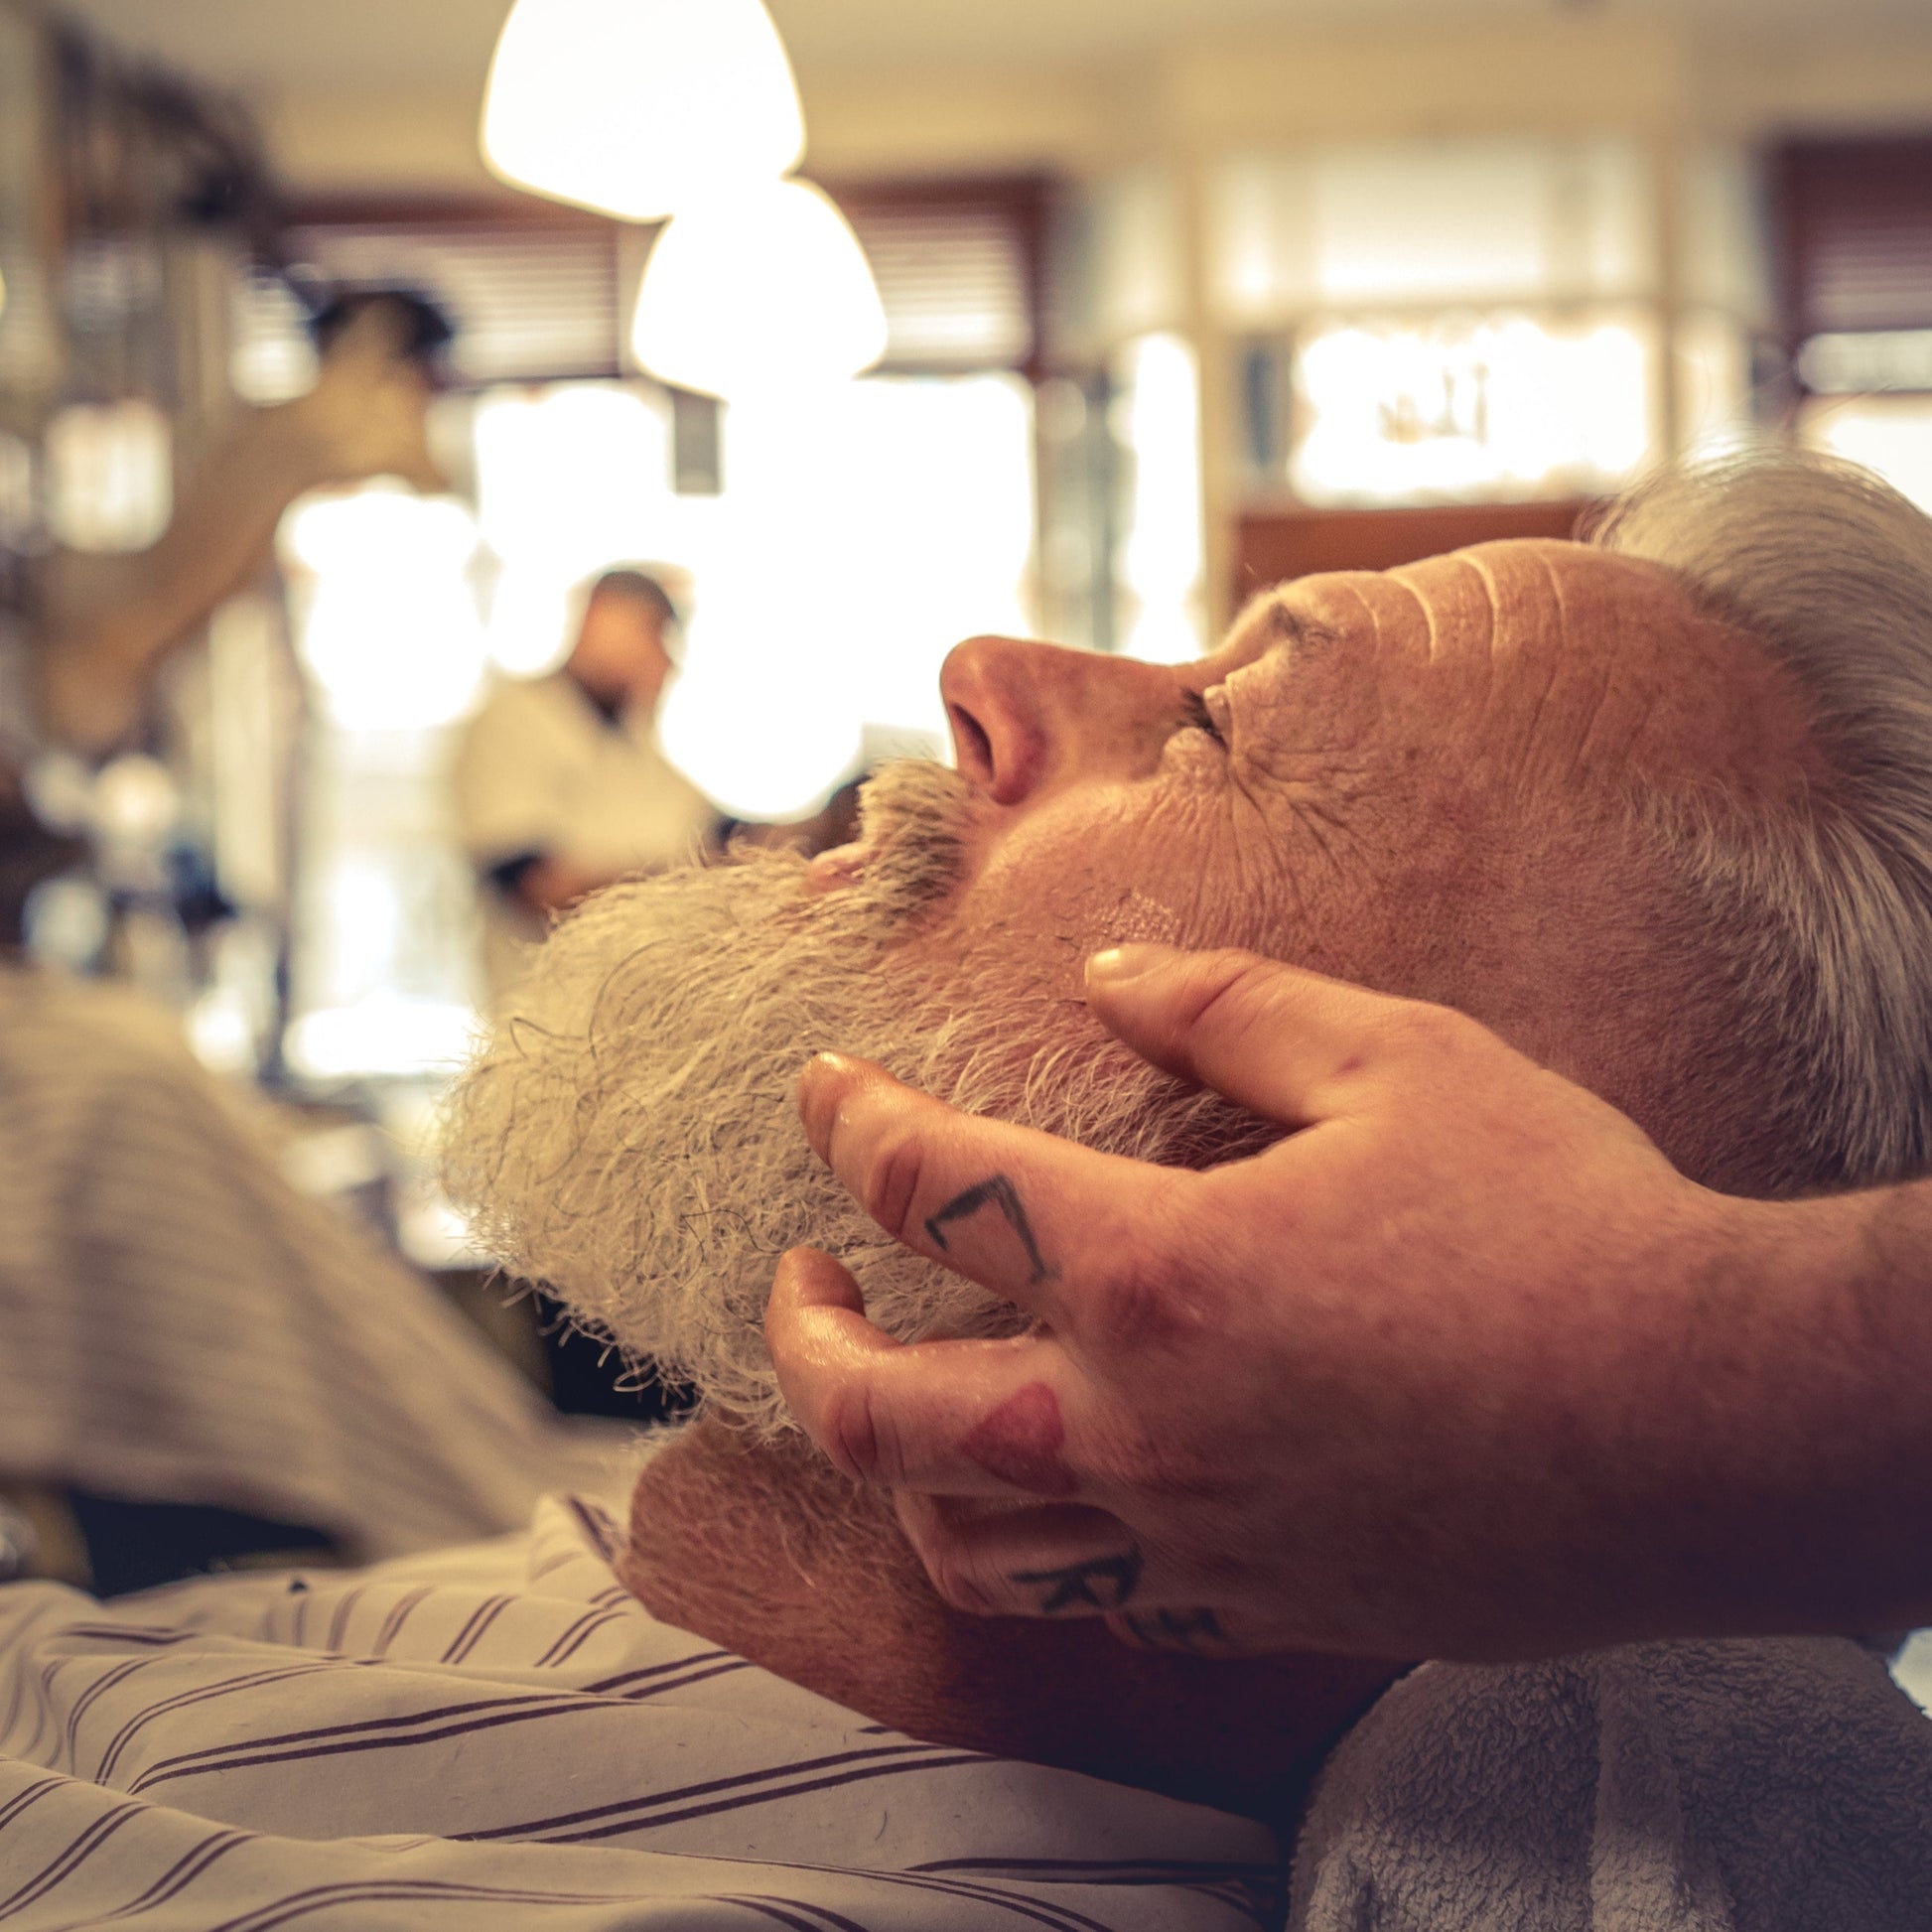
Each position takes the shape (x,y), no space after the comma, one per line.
(1096,869)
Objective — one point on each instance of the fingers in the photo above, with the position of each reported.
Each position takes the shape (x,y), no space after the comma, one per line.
(1060,1560)
(1020,1212)
(1044,1561)
(1293,1046)
(961,1418)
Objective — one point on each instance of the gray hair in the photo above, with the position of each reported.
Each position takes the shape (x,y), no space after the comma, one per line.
(1822,915)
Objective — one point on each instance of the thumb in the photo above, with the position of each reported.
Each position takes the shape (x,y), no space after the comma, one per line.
(1290,1045)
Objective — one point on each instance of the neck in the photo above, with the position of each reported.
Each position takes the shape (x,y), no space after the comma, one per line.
(769,1552)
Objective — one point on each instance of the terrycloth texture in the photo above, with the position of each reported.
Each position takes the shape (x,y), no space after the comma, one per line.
(1776,1786)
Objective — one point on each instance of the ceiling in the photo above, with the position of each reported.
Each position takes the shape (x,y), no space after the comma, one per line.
(349,45)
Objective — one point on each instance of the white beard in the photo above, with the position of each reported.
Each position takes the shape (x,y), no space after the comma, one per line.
(628,1136)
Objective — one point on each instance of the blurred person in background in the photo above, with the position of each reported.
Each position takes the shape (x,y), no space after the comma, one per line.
(106,624)
(180,1328)
(561,787)
(101,628)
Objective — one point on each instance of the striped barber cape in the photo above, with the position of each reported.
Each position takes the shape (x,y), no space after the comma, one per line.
(501,1737)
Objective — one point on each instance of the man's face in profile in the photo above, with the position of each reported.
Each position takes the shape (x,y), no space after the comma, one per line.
(1360,779)
(1415,779)
(619,657)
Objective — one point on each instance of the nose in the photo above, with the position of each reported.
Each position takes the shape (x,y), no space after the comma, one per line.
(1028,718)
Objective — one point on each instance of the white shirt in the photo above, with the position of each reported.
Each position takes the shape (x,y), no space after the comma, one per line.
(503,1739)
(541,770)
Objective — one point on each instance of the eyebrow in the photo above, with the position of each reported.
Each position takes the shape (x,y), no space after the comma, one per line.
(1291,628)
(1268,626)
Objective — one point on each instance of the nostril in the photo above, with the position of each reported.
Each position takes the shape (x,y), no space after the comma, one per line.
(973,748)
(999,717)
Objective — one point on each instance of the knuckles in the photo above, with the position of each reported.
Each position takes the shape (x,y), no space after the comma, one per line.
(1155,1279)
(1141,1301)
(1237,996)
(848,1432)
(957,1578)
(1412,1032)
(890,1185)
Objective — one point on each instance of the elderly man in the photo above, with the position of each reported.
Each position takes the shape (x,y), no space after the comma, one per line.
(1502,778)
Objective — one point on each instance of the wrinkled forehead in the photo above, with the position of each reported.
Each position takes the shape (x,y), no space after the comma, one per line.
(1553,648)
(1523,596)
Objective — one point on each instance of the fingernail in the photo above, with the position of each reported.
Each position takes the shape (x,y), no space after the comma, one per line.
(1118,964)
(818,1099)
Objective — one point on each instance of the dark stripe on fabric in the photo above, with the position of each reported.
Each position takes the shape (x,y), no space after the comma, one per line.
(1252,1890)
(68,1858)
(597,1526)
(135,1633)
(105,1682)
(24,1800)
(395,1721)
(481,1618)
(650,1691)
(606,1684)
(399,1615)
(585,1629)
(747,1800)
(349,1747)
(338,1622)
(796,1913)
(1111,1871)
(13,1704)
(201,1694)
(1042,1911)
(264,1917)
(191,1865)
(707,1788)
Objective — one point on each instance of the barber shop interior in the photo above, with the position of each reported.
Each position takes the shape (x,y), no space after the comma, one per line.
(966,965)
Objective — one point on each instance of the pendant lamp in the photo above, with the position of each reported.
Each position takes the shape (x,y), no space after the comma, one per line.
(640,107)
(755,292)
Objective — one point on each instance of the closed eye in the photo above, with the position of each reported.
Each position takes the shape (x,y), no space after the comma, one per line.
(1196,714)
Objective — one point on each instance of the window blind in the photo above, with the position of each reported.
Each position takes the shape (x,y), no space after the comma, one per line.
(1855,224)
(959,270)
(536,295)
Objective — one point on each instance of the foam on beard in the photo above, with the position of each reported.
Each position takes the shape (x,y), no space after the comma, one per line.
(628,1137)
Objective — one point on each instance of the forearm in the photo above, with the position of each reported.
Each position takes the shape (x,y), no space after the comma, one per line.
(1736,1439)
(1833,1465)
(111,624)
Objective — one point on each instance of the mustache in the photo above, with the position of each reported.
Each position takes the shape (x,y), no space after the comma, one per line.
(627,1134)
(915,816)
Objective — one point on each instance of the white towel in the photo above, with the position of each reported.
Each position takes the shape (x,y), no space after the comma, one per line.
(1782,1785)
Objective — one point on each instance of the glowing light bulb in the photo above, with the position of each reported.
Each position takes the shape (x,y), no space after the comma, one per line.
(762,290)
(638,107)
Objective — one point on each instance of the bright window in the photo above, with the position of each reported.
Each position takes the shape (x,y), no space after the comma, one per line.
(859,535)
(1460,407)
(1160,560)
(1891,435)
(1478,220)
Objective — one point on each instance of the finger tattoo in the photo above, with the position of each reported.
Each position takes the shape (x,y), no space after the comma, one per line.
(1099,1583)
(1019,1441)
(995,1192)
(1176,1629)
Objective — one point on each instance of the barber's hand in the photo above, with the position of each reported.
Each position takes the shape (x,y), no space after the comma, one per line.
(368,412)
(1391,1387)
